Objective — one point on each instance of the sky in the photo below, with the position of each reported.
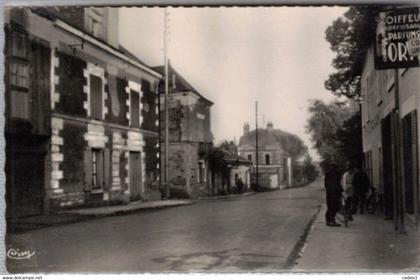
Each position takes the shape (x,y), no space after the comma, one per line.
(277,56)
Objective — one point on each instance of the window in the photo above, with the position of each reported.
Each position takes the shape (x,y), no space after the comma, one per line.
(97,168)
(249,157)
(134,108)
(19,45)
(96,97)
(19,104)
(267,159)
(94,21)
(19,77)
(201,172)
(19,74)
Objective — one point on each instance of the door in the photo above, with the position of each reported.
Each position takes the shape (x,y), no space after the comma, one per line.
(135,175)
(25,181)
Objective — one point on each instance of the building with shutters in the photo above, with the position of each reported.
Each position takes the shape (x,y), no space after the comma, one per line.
(272,157)
(190,138)
(378,111)
(81,112)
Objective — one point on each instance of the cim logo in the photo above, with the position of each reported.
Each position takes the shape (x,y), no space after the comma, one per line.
(17,254)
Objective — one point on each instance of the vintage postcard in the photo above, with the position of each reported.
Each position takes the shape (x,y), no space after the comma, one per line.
(246,139)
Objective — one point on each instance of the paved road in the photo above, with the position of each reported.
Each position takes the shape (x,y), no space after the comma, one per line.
(252,233)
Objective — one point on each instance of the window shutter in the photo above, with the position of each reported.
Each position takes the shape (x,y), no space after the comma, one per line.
(100,168)
(134,108)
(96,96)
(107,167)
(88,168)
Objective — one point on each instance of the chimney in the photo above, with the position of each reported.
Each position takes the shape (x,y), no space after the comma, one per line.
(246,128)
(269,126)
(111,27)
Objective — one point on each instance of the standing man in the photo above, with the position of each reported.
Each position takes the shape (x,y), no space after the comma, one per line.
(333,194)
(361,185)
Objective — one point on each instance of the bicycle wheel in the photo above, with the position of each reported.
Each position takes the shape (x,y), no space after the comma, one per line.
(346,218)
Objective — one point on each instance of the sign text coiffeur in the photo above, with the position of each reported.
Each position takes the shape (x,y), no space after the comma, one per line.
(397,43)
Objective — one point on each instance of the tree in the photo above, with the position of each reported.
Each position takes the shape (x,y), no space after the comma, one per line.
(350,143)
(350,36)
(309,170)
(229,146)
(291,143)
(325,120)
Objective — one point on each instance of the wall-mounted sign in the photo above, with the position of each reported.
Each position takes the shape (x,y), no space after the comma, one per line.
(397,43)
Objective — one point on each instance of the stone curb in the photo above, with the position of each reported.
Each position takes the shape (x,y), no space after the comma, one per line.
(129,211)
(226,196)
(71,217)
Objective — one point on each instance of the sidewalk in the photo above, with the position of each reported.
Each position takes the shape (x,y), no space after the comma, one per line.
(369,244)
(227,196)
(78,215)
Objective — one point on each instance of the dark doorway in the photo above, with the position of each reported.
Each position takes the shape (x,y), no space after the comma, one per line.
(388,196)
(135,175)
(24,179)
(410,160)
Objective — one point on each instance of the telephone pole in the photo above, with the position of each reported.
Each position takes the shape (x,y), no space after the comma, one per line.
(165,54)
(256,144)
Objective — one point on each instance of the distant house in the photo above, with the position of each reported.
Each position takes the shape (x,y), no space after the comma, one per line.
(227,170)
(190,138)
(272,158)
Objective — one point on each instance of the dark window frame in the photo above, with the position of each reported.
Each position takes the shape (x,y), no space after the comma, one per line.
(98,169)
(267,159)
(96,98)
(19,75)
(201,178)
(134,109)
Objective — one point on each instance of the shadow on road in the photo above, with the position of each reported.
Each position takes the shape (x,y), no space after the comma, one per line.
(226,260)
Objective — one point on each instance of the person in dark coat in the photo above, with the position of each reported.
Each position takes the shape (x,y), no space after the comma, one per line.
(239,185)
(333,194)
(361,185)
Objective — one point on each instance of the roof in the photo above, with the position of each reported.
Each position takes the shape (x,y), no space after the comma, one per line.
(265,138)
(230,157)
(130,54)
(181,85)
(53,14)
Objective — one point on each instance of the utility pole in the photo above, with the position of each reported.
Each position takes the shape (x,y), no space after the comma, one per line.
(165,54)
(399,160)
(256,143)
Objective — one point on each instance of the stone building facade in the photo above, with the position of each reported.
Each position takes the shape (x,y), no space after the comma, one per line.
(81,112)
(378,123)
(190,138)
(272,159)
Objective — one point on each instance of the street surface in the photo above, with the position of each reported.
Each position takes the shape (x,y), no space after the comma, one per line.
(252,233)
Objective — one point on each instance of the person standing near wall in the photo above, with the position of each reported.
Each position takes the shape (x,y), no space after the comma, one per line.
(361,185)
(333,194)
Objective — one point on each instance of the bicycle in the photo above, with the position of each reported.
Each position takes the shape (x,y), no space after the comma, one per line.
(344,212)
(372,201)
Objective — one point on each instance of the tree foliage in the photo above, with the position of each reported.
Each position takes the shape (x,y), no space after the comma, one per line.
(229,146)
(291,143)
(350,36)
(350,143)
(330,131)
(309,170)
